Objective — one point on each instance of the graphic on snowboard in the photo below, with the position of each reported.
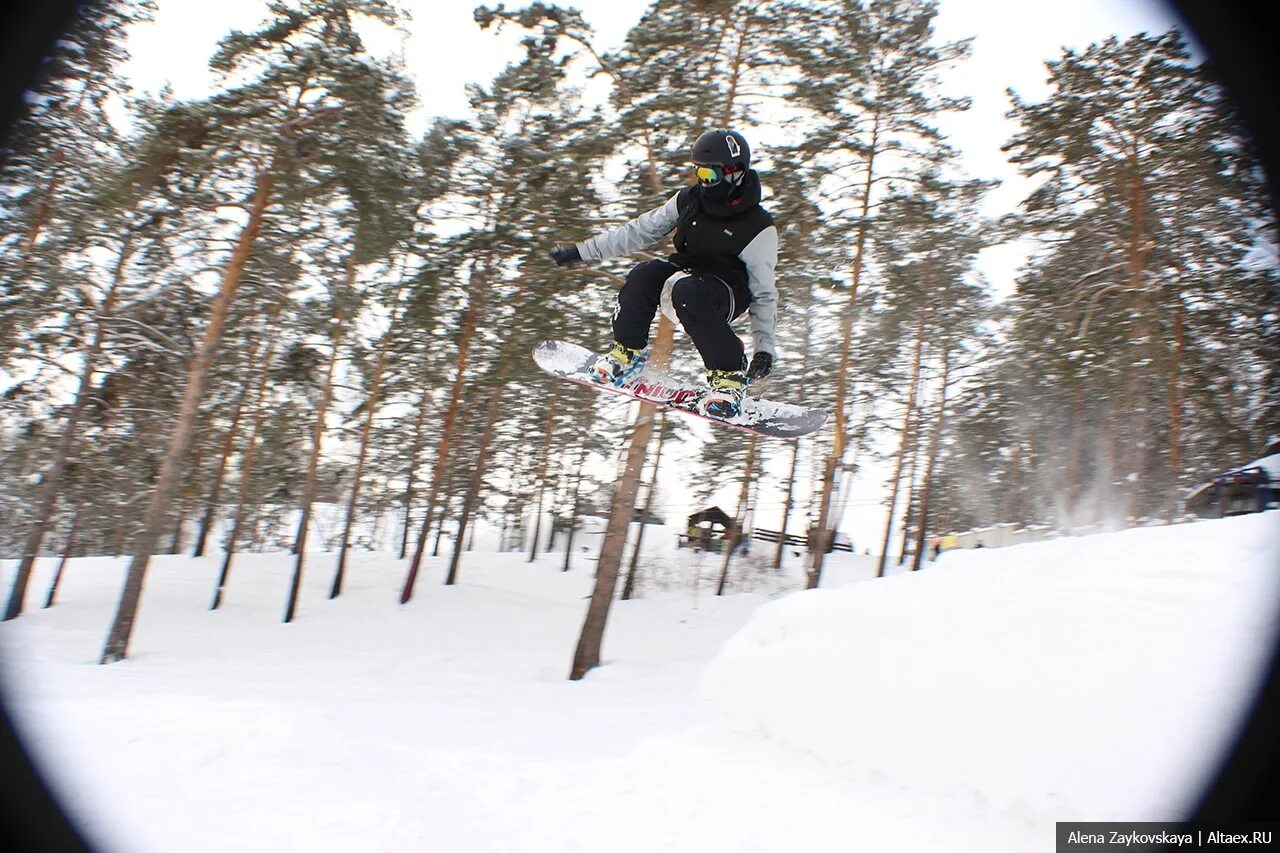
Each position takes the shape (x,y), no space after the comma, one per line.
(760,416)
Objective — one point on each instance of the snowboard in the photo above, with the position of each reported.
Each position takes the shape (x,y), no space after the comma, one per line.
(760,416)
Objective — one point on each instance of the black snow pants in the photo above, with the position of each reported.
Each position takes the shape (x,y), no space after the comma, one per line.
(703,302)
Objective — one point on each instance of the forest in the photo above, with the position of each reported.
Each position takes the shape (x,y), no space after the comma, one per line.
(218,314)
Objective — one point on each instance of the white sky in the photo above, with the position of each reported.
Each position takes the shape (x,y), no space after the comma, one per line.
(446,50)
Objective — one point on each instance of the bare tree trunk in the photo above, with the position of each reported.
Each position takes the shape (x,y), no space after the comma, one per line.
(1175,413)
(52,484)
(935,446)
(629,584)
(117,645)
(1075,462)
(444,519)
(825,524)
(902,447)
(1139,247)
(415,451)
(577,506)
(317,441)
(42,213)
(586,655)
(1013,493)
(366,432)
(787,505)
(228,443)
(184,501)
(465,335)
(539,479)
(740,515)
(246,474)
(220,472)
(908,507)
(66,555)
(477,477)
(621,510)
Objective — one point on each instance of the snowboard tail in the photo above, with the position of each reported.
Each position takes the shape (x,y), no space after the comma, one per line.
(759,416)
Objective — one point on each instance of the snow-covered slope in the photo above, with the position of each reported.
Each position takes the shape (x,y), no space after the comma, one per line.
(966,707)
(1081,677)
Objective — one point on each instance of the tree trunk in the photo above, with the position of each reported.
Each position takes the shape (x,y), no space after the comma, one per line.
(46,203)
(366,432)
(184,502)
(621,510)
(117,645)
(740,515)
(1175,414)
(586,655)
(443,520)
(902,447)
(246,474)
(577,506)
(317,439)
(629,585)
(477,477)
(935,446)
(825,524)
(465,335)
(735,73)
(1075,462)
(539,479)
(219,474)
(1137,252)
(787,505)
(52,484)
(1013,492)
(410,479)
(229,442)
(913,458)
(66,555)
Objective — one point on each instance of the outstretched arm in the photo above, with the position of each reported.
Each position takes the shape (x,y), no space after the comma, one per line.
(640,233)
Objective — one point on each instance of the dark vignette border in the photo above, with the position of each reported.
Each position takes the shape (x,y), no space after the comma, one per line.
(1240,38)
(1238,35)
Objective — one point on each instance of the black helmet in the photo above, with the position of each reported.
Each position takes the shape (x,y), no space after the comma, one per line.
(725,148)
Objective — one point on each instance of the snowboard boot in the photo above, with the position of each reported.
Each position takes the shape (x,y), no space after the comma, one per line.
(619,364)
(726,388)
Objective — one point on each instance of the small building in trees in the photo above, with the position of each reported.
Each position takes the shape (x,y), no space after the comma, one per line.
(708,530)
(1253,487)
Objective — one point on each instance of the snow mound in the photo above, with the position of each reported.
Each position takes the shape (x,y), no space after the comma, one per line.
(1098,677)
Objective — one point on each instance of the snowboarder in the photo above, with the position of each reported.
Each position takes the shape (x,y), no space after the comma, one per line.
(726,248)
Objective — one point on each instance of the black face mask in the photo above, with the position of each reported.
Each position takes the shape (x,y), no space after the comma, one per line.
(725,199)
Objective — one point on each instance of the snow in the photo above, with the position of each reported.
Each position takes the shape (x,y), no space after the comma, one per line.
(964,707)
(1270,464)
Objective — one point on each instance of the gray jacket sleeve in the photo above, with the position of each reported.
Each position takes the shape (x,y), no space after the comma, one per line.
(761,256)
(640,233)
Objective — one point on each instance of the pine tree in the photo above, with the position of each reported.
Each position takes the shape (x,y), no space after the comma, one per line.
(312,106)
(1150,213)
(933,306)
(870,91)
(117,206)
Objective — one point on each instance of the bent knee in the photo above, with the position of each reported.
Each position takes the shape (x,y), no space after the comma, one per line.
(692,299)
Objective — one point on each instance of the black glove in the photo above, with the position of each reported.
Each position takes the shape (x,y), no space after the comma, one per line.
(761,366)
(566,254)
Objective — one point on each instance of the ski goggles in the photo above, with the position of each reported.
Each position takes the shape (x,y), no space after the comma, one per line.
(710,174)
